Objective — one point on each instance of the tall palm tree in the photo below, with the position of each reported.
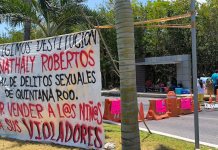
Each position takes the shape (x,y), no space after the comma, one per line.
(126,51)
(52,17)
(27,25)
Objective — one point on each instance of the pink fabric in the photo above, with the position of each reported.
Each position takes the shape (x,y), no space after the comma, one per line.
(185,103)
(161,106)
(115,106)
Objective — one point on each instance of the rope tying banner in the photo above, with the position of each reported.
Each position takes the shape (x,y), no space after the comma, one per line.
(156,21)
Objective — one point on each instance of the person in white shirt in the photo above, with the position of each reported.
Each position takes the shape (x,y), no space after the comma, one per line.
(200,87)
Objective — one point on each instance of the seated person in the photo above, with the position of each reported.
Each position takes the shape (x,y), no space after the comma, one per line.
(209,86)
(148,85)
(173,84)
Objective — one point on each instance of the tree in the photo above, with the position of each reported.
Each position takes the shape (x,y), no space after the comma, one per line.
(52,17)
(12,36)
(27,26)
(125,43)
(207,37)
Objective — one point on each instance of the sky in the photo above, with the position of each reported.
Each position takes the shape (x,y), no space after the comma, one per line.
(93,4)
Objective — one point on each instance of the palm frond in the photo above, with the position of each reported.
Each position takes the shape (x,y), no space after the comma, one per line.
(51,16)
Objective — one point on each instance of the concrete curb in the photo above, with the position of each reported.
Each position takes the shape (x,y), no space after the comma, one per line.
(180,138)
(168,135)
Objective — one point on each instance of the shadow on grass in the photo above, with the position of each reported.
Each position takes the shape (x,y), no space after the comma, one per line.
(162,147)
(20,143)
(108,130)
(144,138)
(112,130)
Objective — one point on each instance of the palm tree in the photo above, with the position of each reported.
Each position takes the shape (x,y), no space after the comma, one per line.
(52,17)
(126,51)
(27,26)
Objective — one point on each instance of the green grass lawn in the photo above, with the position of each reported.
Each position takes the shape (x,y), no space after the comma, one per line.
(150,141)
(112,134)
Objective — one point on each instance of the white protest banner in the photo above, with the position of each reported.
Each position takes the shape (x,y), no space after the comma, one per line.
(50,90)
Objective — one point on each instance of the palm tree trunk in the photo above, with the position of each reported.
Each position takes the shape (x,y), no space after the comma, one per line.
(27,29)
(27,26)
(126,51)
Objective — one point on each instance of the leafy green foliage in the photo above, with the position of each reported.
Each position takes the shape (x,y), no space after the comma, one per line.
(154,42)
(13,36)
(207,39)
(52,17)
